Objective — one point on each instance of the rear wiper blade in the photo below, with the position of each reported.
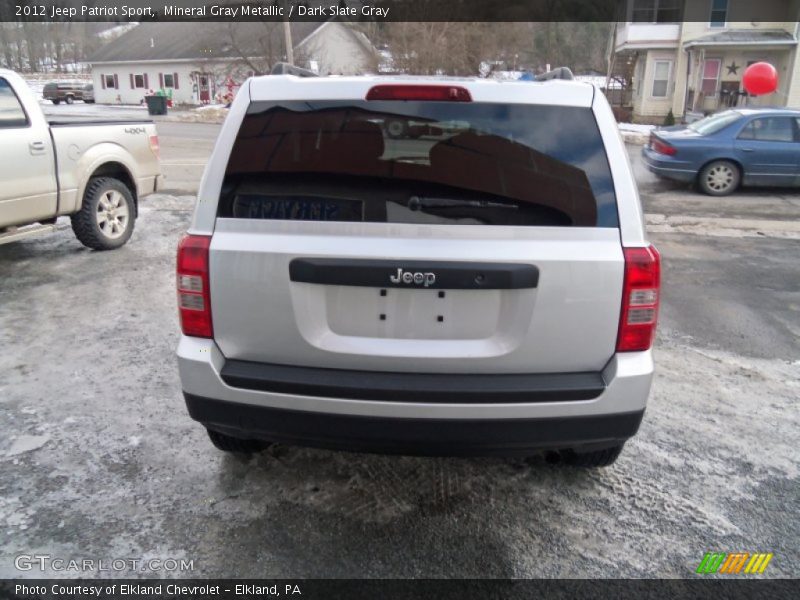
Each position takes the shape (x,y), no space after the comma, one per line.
(420,202)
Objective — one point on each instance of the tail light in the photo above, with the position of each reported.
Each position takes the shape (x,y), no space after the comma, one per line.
(194,298)
(441,93)
(637,321)
(662,147)
(154,147)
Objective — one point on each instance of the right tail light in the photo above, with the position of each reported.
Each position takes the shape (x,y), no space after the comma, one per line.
(640,298)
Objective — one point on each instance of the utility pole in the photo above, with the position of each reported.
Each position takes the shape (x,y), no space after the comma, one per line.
(287,37)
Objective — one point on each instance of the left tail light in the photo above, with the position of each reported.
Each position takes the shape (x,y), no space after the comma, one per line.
(194,297)
(154,147)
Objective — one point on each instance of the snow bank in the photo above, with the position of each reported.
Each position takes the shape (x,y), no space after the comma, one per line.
(635,133)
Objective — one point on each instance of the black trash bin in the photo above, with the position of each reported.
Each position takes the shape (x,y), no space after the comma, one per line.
(156,105)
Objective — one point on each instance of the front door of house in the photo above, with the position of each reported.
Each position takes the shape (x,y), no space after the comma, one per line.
(205,88)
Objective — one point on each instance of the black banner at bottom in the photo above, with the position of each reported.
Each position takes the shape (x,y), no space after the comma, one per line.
(391,589)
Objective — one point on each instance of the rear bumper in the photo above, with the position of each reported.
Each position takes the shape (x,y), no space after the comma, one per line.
(510,424)
(668,167)
(429,437)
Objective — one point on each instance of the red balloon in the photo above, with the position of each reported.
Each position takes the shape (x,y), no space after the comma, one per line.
(760,78)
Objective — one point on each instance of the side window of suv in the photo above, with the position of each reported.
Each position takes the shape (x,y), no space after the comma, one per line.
(769,129)
(11,113)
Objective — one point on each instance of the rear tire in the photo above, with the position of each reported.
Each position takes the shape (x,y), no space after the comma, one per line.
(55,101)
(598,458)
(105,220)
(69,99)
(719,178)
(227,443)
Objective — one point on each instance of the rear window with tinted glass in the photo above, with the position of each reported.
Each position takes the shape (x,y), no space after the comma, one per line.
(420,162)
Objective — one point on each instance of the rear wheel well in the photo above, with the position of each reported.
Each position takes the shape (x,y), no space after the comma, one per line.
(725,158)
(118,171)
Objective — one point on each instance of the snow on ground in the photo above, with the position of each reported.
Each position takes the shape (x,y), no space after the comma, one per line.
(635,133)
(599,81)
(636,127)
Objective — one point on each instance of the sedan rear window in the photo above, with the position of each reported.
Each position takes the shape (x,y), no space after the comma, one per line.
(420,162)
(715,123)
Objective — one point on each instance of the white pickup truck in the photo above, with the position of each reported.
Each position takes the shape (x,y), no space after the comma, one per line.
(95,172)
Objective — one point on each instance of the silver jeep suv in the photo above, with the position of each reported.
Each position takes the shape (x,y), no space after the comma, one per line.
(423,266)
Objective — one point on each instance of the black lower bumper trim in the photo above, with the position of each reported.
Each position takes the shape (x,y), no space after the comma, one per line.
(431,437)
(456,388)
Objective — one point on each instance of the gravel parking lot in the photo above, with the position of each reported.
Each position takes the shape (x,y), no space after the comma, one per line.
(100,460)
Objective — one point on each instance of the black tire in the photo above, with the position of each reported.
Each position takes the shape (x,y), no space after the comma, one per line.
(227,443)
(86,223)
(69,99)
(719,178)
(597,458)
(55,101)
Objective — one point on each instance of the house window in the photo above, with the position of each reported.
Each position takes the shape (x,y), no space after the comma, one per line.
(661,73)
(711,70)
(719,13)
(138,81)
(169,80)
(657,11)
(109,81)
(774,129)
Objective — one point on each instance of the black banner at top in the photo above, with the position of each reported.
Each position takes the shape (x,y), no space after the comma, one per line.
(386,10)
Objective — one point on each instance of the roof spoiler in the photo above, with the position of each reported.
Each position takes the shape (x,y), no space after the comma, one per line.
(284,68)
(557,73)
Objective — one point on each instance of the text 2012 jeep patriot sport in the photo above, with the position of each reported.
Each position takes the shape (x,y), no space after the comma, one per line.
(95,172)
(425,266)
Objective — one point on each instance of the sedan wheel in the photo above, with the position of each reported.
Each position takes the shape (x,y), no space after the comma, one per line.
(719,178)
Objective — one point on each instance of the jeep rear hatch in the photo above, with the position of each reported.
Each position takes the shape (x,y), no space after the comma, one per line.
(436,235)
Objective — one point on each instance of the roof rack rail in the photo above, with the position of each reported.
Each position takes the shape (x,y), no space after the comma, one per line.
(557,73)
(284,68)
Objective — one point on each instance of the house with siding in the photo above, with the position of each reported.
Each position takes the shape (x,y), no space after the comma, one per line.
(200,63)
(689,56)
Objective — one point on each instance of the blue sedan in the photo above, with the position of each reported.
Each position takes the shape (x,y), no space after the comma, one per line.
(746,146)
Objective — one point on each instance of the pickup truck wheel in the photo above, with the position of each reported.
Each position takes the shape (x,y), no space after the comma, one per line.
(106,218)
(597,458)
(227,443)
(56,101)
(69,99)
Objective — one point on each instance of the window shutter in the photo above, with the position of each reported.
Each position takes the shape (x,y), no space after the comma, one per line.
(175,80)
(160,80)
(116,82)
(133,85)
(146,86)
(103,81)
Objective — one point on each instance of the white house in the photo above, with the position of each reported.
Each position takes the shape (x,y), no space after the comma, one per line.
(201,63)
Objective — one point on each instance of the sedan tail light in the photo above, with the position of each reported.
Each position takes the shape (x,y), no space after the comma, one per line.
(194,297)
(640,299)
(662,147)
